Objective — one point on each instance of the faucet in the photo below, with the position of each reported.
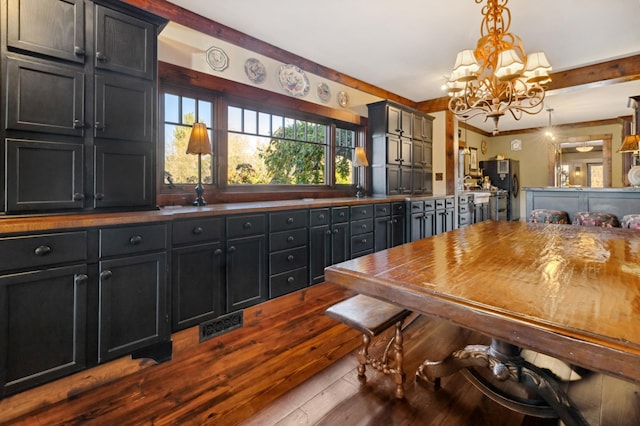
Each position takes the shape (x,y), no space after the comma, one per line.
(466,185)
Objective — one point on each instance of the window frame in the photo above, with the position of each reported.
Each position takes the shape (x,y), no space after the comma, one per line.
(181,194)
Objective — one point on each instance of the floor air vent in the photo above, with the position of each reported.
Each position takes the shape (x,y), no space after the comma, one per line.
(217,326)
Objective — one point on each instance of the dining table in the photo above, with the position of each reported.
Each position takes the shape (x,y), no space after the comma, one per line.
(570,292)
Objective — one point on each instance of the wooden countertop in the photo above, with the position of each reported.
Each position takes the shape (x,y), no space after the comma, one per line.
(12,224)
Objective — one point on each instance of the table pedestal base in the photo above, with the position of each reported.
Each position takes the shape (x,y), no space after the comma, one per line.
(505,362)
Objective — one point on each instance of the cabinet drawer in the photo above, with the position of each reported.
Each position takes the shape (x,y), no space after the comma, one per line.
(287,282)
(449,203)
(319,217)
(361,226)
(340,214)
(38,250)
(417,206)
(440,203)
(429,204)
(364,211)
(397,208)
(196,230)
(134,239)
(288,239)
(463,208)
(288,220)
(287,260)
(464,199)
(238,226)
(464,219)
(361,242)
(383,209)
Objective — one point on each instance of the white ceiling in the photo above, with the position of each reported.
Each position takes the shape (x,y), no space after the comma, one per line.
(407,47)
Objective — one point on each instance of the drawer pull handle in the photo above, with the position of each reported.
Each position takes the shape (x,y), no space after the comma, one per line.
(198,230)
(99,196)
(384,210)
(98,125)
(321,217)
(101,57)
(364,226)
(217,252)
(42,250)
(363,241)
(78,51)
(290,280)
(290,220)
(247,225)
(77,124)
(232,249)
(290,258)
(78,196)
(329,231)
(290,239)
(336,231)
(81,278)
(364,211)
(106,274)
(135,240)
(341,214)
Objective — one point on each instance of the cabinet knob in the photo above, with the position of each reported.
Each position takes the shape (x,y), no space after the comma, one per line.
(336,231)
(106,274)
(363,241)
(78,196)
(247,225)
(291,258)
(100,56)
(42,250)
(78,124)
(78,51)
(384,210)
(198,230)
(217,252)
(98,125)
(99,196)
(135,240)
(290,220)
(290,280)
(342,214)
(80,278)
(321,217)
(232,249)
(363,226)
(329,231)
(290,239)
(364,211)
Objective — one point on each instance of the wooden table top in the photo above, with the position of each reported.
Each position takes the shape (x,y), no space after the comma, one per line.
(568,291)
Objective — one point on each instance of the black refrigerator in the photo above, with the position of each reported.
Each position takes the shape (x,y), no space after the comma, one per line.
(505,174)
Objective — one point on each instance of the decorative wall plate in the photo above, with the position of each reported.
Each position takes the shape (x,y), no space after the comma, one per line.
(634,176)
(483,146)
(324,93)
(293,80)
(217,59)
(343,98)
(516,145)
(255,71)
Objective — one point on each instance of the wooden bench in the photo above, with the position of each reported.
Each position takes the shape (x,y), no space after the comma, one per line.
(371,317)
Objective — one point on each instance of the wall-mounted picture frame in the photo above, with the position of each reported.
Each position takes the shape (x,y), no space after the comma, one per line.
(473,160)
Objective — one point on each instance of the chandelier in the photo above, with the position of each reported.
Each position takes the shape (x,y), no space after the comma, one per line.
(497,77)
(584,147)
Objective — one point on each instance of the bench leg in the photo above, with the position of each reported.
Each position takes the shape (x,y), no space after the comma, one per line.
(363,358)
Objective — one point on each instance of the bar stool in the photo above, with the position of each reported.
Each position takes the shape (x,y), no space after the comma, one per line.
(630,221)
(549,216)
(371,317)
(602,219)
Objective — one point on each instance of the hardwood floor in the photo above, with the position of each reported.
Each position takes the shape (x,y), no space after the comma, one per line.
(290,365)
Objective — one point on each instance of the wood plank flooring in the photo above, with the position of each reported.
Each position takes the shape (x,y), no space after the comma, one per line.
(290,365)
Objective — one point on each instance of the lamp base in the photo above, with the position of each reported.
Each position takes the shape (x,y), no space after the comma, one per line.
(359,191)
(199,201)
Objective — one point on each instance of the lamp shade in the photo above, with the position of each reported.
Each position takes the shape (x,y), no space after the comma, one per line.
(630,143)
(509,65)
(466,67)
(537,68)
(360,157)
(199,140)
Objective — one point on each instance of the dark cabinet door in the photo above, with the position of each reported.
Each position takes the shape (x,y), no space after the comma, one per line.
(132,307)
(246,272)
(340,242)
(406,177)
(393,180)
(44,175)
(398,229)
(54,27)
(44,97)
(197,284)
(444,221)
(124,44)
(123,175)
(123,108)
(43,332)
(429,224)
(320,252)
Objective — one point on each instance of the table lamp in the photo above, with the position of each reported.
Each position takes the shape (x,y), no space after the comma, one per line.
(359,160)
(199,144)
